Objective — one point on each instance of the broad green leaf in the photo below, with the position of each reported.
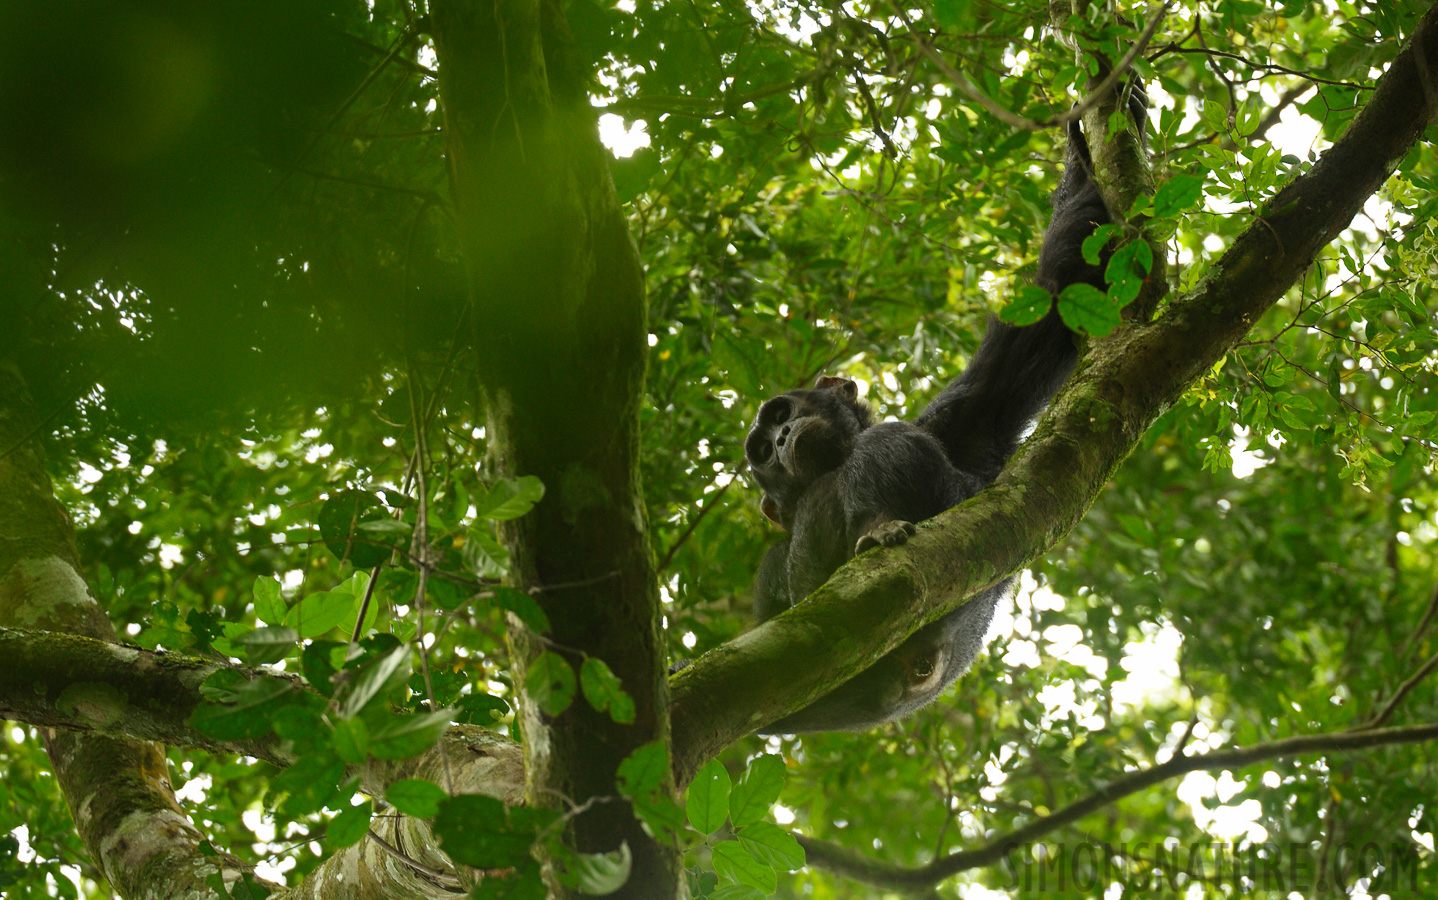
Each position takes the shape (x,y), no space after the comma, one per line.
(269,605)
(644,770)
(1127,269)
(1087,309)
(756,790)
(339,520)
(707,799)
(1093,244)
(524,606)
(550,682)
(1179,193)
(483,553)
(661,816)
(1030,304)
(350,826)
(416,797)
(475,830)
(386,526)
(246,714)
(737,892)
(379,678)
(604,692)
(402,737)
(311,783)
(509,499)
(736,864)
(268,645)
(524,883)
(598,874)
(350,740)
(772,846)
(318,613)
(481,709)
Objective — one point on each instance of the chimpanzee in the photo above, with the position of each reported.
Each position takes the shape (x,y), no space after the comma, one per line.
(840,484)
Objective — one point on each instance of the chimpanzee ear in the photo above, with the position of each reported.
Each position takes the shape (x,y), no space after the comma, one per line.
(847,388)
(770,508)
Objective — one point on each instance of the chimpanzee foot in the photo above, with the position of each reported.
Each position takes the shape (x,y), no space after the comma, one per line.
(886,534)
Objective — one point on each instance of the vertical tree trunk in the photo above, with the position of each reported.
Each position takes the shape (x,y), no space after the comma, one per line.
(559,324)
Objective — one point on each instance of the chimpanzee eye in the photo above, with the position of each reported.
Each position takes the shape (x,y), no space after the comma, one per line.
(761,451)
(779,412)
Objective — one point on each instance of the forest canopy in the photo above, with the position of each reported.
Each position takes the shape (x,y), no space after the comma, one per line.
(374,382)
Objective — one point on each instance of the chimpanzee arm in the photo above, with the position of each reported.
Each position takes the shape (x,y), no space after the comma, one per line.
(980,417)
(771,587)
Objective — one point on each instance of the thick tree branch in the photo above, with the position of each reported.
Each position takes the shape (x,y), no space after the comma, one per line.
(848,863)
(1125,383)
(81,684)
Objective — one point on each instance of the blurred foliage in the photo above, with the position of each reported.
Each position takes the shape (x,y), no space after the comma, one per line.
(228,270)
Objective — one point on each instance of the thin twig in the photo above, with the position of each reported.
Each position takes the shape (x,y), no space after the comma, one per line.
(1007,116)
(1403,690)
(854,865)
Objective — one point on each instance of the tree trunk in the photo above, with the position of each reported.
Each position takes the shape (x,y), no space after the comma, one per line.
(558,317)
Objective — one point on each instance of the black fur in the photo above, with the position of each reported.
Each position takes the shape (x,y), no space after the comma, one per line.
(840,485)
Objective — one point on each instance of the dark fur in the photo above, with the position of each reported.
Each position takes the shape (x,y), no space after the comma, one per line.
(840,485)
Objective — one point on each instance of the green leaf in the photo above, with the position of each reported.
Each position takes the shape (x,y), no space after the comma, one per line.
(246,712)
(604,691)
(339,521)
(737,892)
(350,740)
(320,661)
(379,678)
(350,826)
(523,606)
(1093,244)
(318,613)
(643,771)
(633,174)
(952,13)
(483,553)
(1030,304)
(509,499)
(550,683)
(416,797)
(772,846)
(1177,194)
(402,737)
(269,605)
(735,864)
(757,790)
(386,526)
(475,830)
(311,783)
(707,800)
(661,816)
(1127,270)
(481,709)
(1085,308)
(524,883)
(602,873)
(267,645)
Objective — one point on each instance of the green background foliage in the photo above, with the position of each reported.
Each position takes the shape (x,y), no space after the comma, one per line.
(232,281)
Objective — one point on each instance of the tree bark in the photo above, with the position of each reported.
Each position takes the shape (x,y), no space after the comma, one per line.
(559,328)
